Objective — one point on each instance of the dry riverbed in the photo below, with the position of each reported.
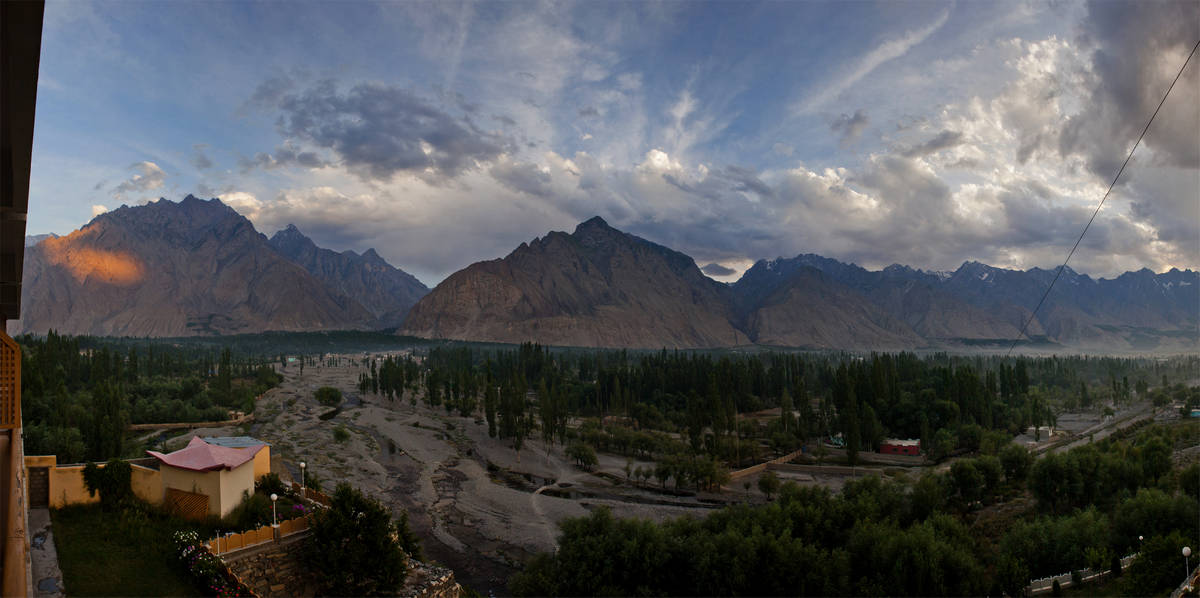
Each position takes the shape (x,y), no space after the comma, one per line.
(479,506)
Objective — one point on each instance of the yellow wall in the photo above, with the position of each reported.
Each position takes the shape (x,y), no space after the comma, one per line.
(147,484)
(235,483)
(262,462)
(224,488)
(67,487)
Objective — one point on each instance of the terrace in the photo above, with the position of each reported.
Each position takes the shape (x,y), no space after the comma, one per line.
(20,51)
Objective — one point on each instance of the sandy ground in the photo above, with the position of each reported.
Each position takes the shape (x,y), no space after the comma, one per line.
(481,508)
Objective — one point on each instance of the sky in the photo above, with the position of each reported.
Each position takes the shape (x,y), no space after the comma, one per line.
(441,134)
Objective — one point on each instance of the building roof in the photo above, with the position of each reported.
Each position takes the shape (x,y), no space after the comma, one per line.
(902,442)
(202,456)
(235,441)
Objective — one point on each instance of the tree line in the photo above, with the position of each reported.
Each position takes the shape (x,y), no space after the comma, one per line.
(931,536)
(80,394)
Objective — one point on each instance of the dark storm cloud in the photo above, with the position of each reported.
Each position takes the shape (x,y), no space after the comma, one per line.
(199,159)
(718,270)
(379,130)
(1139,49)
(849,128)
(944,140)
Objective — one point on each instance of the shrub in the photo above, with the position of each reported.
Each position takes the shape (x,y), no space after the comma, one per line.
(113,482)
(210,575)
(354,542)
(252,512)
(341,434)
(329,396)
(270,484)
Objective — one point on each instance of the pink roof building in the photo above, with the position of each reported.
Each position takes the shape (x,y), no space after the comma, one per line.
(206,474)
(202,456)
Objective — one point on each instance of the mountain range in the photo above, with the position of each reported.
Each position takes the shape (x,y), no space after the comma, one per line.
(600,287)
(198,267)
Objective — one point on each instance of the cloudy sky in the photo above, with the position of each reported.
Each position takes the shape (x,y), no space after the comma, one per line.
(445,133)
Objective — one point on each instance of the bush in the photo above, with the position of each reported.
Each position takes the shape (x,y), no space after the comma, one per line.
(113,482)
(270,484)
(329,396)
(211,576)
(253,512)
(341,434)
(354,542)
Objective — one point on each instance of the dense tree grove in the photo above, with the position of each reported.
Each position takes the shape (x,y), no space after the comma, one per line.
(79,394)
(634,401)
(933,536)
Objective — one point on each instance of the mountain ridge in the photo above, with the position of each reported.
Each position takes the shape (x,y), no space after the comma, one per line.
(811,301)
(167,268)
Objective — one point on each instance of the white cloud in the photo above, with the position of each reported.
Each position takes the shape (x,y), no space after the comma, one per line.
(888,50)
(148,178)
(98,209)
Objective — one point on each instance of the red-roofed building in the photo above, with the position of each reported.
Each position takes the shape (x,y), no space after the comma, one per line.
(896,446)
(220,473)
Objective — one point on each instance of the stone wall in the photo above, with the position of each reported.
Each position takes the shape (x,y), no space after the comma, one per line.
(427,581)
(273,568)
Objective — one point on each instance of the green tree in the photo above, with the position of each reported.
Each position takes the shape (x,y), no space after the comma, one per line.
(113,482)
(224,383)
(329,396)
(1016,461)
(1159,566)
(353,545)
(768,483)
(110,419)
(583,454)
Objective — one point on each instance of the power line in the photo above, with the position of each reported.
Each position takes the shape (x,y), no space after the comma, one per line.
(1102,200)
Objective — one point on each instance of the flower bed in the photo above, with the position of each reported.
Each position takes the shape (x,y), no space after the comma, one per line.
(210,574)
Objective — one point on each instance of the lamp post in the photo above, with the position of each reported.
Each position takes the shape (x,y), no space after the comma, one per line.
(1187,570)
(303,489)
(274,497)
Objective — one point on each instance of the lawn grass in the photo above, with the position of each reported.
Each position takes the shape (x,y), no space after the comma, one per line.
(125,553)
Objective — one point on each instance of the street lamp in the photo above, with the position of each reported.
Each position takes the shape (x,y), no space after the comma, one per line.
(1187,570)
(274,497)
(303,492)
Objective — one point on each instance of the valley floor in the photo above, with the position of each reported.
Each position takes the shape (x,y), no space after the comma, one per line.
(480,507)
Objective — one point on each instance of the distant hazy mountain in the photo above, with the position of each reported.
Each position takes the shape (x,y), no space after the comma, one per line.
(601,287)
(975,303)
(596,287)
(175,269)
(386,292)
(31,240)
